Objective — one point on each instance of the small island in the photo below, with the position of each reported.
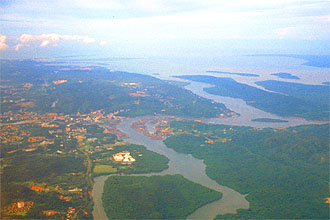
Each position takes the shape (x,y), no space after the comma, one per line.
(268,120)
(285,75)
(155,197)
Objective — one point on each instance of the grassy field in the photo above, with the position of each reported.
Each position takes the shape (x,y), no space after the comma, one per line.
(104,169)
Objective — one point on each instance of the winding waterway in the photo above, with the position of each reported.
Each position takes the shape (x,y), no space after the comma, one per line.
(191,168)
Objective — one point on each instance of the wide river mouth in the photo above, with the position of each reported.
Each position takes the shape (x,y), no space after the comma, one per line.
(191,168)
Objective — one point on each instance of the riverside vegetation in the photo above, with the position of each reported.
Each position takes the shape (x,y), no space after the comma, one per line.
(278,169)
(155,197)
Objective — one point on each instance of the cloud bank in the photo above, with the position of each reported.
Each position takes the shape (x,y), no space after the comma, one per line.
(50,39)
(3,45)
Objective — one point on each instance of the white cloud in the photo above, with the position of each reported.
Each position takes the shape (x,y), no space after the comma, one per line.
(321,19)
(306,32)
(50,39)
(193,25)
(284,32)
(103,43)
(141,5)
(3,45)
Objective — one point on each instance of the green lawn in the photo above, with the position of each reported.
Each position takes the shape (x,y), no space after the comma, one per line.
(104,169)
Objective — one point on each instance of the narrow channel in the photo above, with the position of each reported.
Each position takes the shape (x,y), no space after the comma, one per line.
(247,112)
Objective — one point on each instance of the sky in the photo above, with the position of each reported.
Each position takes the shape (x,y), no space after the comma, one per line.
(141,28)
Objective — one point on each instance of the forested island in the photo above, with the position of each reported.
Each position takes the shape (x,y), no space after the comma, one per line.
(285,75)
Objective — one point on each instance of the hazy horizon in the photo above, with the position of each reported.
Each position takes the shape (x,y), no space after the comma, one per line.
(156,28)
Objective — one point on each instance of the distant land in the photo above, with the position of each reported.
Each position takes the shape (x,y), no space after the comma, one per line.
(268,120)
(311,93)
(68,90)
(315,60)
(300,100)
(285,75)
(326,83)
(238,74)
(322,61)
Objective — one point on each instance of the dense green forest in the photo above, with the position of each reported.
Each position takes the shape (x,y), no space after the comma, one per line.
(298,100)
(284,171)
(88,89)
(317,95)
(155,197)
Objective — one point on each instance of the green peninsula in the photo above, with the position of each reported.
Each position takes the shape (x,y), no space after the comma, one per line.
(155,197)
(238,74)
(288,99)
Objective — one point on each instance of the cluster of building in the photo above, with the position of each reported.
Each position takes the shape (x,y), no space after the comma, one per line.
(12,134)
(49,212)
(20,207)
(64,198)
(156,127)
(124,157)
(56,82)
(216,139)
(70,212)
(39,189)
(139,94)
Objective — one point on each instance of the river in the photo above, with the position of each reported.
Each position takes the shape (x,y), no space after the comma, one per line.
(191,168)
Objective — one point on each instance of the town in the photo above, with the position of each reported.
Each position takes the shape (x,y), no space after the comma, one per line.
(92,137)
(28,133)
